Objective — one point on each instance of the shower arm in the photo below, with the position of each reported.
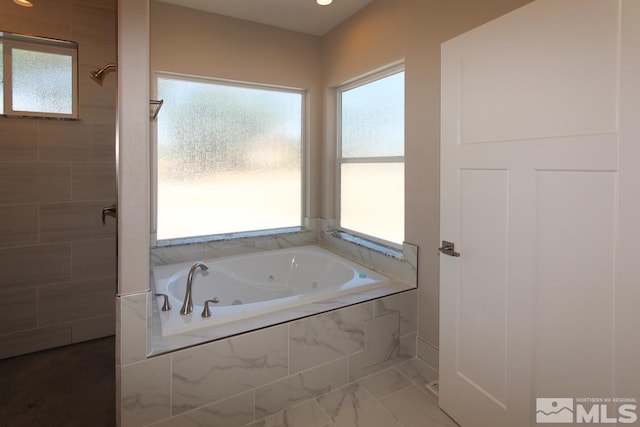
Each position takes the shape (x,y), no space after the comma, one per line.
(98,73)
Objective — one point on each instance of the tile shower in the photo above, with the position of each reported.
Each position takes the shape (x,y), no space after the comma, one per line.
(58,261)
(236,380)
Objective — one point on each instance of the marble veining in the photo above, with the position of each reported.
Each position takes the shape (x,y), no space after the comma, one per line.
(213,371)
(145,394)
(405,304)
(414,408)
(234,411)
(353,406)
(295,389)
(308,414)
(383,338)
(384,383)
(326,337)
(133,338)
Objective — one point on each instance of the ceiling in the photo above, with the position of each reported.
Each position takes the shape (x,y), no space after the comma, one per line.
(304,16)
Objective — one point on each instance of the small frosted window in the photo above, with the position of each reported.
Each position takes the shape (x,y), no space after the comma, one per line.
(371,158)
(229,158)
(372,199)
(42,82)
(38,76)
(373,118)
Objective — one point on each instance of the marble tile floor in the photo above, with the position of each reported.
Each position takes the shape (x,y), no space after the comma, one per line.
(66,386)
(395,397)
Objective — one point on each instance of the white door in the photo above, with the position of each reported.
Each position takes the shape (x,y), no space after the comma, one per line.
(539,192)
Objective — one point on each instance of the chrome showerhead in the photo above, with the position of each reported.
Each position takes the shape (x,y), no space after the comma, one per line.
(99,73)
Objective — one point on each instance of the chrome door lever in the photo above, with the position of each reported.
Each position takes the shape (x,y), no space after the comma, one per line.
(111,210)
(448,248)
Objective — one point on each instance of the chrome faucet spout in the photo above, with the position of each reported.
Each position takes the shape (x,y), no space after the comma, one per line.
(187,305)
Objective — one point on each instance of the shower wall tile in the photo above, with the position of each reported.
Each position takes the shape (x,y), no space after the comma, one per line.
(93,181)
(18,225)
(34,340)
(96,327)
(17,310)
(44,166)
(34,182)
(34,265)
(296,389)
(405,304)
(98,114)
(75,141)
(48,19)
(95,96)
(67,302)
(93,258)
(103,4)
(132,329)
(308,414)
(145,391)
(66,222)
(235,411)
(326,337)
(213,371)
(92,23)
(18,138)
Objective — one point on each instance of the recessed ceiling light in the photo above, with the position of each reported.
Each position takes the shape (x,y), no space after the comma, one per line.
(25,3)
(323,2)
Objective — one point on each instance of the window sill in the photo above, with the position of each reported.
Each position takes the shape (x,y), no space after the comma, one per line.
(395,253)
(16,116)
(227,237)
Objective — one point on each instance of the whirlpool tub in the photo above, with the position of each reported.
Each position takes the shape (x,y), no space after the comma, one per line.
(256,284)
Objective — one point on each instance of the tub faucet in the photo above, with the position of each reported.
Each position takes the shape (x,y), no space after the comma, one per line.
(187,305)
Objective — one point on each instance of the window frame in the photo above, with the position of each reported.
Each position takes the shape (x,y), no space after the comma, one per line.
(12,41)
(304,118)
(373,76)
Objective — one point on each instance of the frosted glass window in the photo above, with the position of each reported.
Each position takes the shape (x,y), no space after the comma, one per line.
(371,157)
(373,118)
(228,158)
(38,76)
(42,82)
(372,199)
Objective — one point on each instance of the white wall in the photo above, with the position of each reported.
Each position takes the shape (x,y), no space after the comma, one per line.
(385,31)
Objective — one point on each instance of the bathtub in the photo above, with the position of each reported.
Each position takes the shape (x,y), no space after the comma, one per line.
(257,284)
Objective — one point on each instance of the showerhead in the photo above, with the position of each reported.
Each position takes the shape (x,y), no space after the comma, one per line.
(99,73)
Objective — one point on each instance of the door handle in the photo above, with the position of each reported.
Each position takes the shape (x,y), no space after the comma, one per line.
(448,248)
(111,210)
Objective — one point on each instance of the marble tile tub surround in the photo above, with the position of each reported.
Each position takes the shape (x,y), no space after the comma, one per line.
(239,380)
(402,266)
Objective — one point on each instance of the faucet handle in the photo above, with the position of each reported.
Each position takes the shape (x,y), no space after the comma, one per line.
(165,306)
(206,312)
